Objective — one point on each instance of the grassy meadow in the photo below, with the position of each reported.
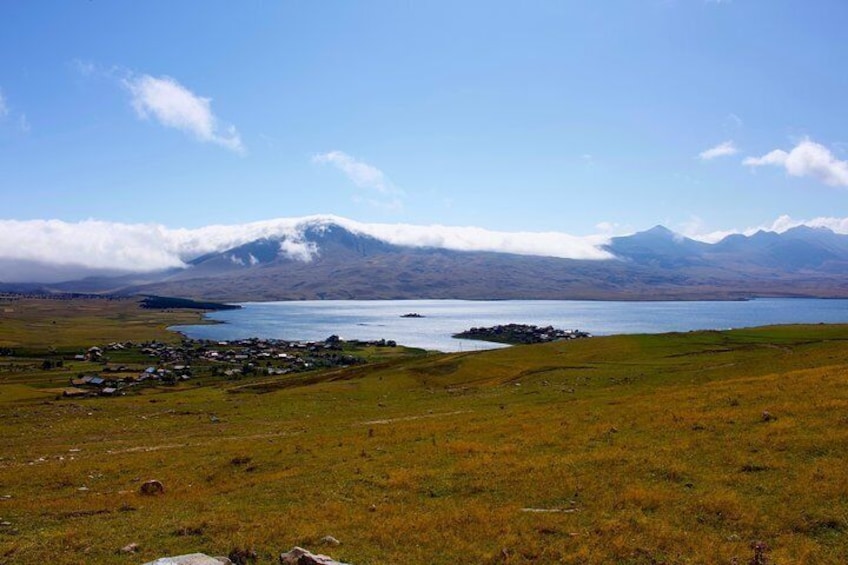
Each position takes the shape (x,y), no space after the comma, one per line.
(647,449)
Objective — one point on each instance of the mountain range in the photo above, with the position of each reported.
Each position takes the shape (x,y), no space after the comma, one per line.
(325,260)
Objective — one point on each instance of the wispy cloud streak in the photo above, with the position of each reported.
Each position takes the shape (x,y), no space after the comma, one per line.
(379,191)
(721,150)
(175,106)
(360,173)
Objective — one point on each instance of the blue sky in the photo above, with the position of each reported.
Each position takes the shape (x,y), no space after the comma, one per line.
(581,117)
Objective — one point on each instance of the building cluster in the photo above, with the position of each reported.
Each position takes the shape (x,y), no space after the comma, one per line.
(122,366)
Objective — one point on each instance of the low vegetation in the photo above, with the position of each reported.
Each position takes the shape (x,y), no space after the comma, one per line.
(164,302)
(520,334)
(705,447)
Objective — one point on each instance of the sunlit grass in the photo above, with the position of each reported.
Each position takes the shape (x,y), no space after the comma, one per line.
(631,450)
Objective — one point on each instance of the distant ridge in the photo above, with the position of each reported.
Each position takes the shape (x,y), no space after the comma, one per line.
(326,260)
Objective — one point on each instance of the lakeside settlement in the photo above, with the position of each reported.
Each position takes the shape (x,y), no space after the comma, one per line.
(125,366)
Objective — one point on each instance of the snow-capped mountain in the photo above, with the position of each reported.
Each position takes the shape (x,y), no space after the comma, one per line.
(326,257)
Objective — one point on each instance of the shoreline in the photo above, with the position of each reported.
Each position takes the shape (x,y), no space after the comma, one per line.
(441,320)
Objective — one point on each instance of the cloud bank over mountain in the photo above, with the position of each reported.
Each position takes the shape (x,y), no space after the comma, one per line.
(27,247)
(53,250)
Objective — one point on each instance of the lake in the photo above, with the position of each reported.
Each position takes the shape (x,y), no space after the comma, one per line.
(374,320)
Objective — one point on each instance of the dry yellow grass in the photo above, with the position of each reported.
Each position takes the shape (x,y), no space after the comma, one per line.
(61,323)
(628,450)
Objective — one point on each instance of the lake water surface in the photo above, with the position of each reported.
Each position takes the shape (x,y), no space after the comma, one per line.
(381,319)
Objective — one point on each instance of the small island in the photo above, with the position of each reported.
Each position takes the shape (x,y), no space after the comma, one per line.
(412,315)
(516,334)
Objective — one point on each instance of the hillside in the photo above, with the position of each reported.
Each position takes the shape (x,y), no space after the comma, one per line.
(322,259)
(676,448)
(650,265)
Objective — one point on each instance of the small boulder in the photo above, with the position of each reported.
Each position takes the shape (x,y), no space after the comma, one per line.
(152,488)
(191,559)
(299,556)
(130,548)
(330,540)
(243,556)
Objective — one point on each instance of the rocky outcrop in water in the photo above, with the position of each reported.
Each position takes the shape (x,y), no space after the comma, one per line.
(515,334)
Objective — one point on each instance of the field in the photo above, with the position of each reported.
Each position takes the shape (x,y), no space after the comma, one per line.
(650,449)
(68,325)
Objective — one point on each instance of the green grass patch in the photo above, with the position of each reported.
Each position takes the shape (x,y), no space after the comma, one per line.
(626,449)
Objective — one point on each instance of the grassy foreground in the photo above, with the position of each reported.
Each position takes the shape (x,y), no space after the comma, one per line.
(676,448)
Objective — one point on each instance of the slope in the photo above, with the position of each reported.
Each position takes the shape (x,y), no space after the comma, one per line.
(677,448)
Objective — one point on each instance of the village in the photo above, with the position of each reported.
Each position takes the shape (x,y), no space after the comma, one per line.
(119,368)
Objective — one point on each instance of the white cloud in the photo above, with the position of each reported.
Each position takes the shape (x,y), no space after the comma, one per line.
(838,225)
(613,229)
(297,249)
(552,244)
(15,117)
(721,150)
(777,157)
(175,106)
(779,225)
(84,68)
(53,250)
(363,175)
(606,227)
(733,121)
(65,249)
(90,244)
(693,226)
(388,204)
(807,159)
(190,243)
(360,173)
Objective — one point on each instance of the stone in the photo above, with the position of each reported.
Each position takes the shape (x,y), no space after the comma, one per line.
(239,556)
(191,559)
(152,488)
(299,556)
(330,540)
(130,548)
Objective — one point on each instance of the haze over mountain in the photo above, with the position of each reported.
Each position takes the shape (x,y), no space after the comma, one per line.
(333,258)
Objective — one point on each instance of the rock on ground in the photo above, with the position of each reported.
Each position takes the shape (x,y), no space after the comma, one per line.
(130,548)
(191,559)
(152,488)
(299,556)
